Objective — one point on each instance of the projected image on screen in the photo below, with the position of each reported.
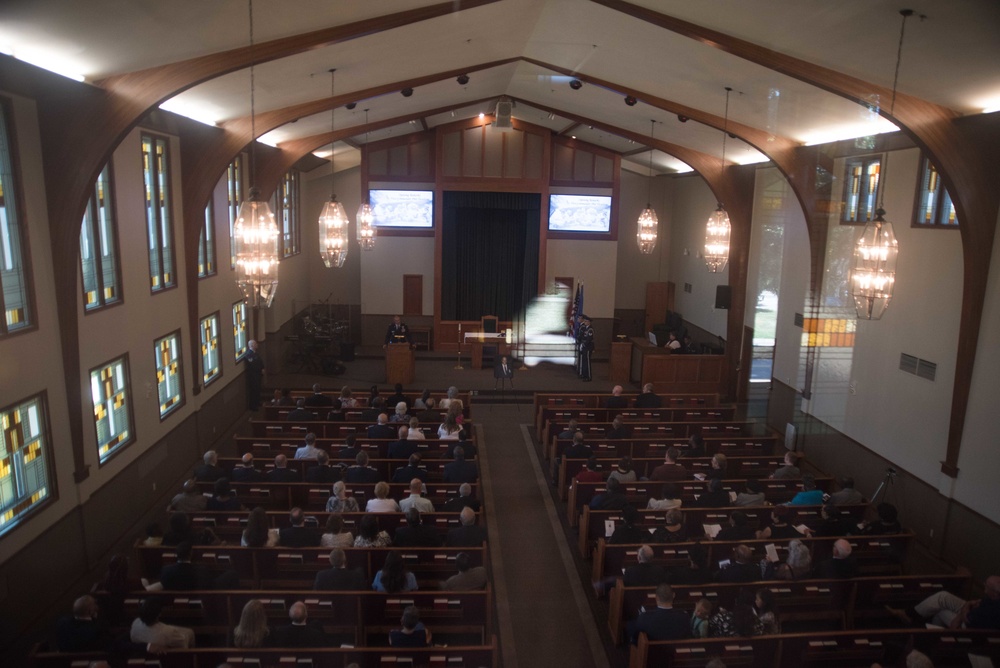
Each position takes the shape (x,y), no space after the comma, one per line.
(579,213)
(403,208)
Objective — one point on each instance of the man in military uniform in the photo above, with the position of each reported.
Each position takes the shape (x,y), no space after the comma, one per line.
(254,373)
(585,337)
(397,333)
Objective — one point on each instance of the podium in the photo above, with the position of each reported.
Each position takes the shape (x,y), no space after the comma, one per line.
(621,361)
(478,339)
(398,364)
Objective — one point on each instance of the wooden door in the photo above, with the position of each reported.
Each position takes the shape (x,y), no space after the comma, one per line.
(413,294)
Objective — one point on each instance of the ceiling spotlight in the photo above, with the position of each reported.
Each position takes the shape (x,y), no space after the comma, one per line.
(462,79)
(682,119)
(350,105)
(481,115)
(407,92)
(576,84)
(630,101)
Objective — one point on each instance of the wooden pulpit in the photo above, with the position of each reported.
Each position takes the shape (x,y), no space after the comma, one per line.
(398,364)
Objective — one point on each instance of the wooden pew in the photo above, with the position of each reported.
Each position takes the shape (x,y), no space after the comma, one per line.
(652,428)
(548,416)
(385,467)
(269,446)
(352,414)
(875,554)
(597,400)
(322,428)
(313,496)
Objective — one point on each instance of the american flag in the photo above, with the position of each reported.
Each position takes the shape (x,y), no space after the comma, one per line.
(577,310)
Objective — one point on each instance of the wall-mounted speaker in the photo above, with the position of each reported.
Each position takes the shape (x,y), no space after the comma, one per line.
(723,294)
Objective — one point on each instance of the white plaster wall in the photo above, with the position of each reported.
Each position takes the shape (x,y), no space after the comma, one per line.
(634,269)
(590,262)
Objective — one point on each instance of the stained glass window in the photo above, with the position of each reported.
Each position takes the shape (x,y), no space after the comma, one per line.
(211,367)
(206,244)
(109,391)
(169,381)
(24,468)
(861,181)
(14,275)
(288,203)
(159,225)
(234,180)
(934,205)
(240,328)
(99,247)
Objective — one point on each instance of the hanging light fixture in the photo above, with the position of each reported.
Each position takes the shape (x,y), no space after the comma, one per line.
(876,250)
(367,232)
(647,226)
(333,222)
(255,232)
(719,229)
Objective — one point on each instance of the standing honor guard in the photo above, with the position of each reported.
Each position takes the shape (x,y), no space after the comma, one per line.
(585,339)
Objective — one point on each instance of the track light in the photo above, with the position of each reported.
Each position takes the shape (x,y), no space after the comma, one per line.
(462,79)
(630,101)
(682,118)
(576,84)
(350,105)
(407,92)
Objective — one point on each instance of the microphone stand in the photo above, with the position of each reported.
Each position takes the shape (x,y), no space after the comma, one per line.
(458,364)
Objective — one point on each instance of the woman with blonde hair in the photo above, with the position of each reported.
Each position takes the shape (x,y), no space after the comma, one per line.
(252,630)
(381,503)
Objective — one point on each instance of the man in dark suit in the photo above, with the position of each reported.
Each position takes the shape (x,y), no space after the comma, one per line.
(430,414)
(300,413)
(503,371)
(210,470)
(301,632)
(322,472)
(470,449)
(84,631)
(298,535)
(254,362)
(416,533)
(350,449)
(398,332)
(579,449)
(339,577)
(371,413)
(616,400)
(382,428)
(460,470)
(648,399)
(403,448)
(184,575)
(469,534)
(742,568)
(738,528)
(670,469)
(318,399)
(336,412)
(405,474)
(245,471)
(399,397)
(361,473)
(841,566)
(463,500)
(281,472)
(664,622)
(645,573)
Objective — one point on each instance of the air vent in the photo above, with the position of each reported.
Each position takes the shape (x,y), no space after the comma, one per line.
(799,320)
(917,366)
(687,288)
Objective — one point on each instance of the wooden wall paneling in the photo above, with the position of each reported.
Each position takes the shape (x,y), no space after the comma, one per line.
(413,294)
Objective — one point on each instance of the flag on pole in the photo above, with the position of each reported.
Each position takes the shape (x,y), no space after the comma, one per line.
(577,310)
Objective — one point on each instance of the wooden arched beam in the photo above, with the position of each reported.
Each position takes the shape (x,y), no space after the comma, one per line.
(80,130)
(732,186)
(964,161)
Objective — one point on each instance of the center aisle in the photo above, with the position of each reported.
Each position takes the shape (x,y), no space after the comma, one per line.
(543,615)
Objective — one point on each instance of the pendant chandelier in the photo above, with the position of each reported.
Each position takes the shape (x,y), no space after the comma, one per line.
(255,232)
(333,222)
(648,225)
(719,229)
(873,274)
(367,232)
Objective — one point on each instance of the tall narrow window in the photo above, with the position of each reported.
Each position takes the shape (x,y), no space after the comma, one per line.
(234,180)
(288,201)
(211,367)
(159,226)
(112,416)
(24,461)
(934,205)
(206,243)
(861,179)
(15,290)
(240,328)
(99,247)
(169,381)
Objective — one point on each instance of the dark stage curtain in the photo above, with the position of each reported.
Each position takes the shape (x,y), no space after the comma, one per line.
(489,254)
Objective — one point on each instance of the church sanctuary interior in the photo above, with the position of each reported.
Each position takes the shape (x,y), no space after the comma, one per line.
(743,250)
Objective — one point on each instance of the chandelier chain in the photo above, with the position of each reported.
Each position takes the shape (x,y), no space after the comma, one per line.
(725,127)
(253,117)
(649,180)
(905,13)
(333,130)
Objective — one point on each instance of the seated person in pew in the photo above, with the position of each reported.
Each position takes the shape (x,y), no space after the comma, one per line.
(468,578)
(696,444)
(300,413)
(400,397)
(360,473)
(430,414)
(618,429)
(322,472)
(789,471)
(669,498)
(179,530)
(393,577)
(613,498)
(460,470)
(190,500)
(753,496)
(738,528)
(258,532)
(300,632)
(147,628)
(796,566)
(951,612)
(415,433)
(810,495)
(847,495)
(450,396)
(339,577)
(317,399)
(718,467)
(576,450)
(699,618)
(350,449)
(627,532)
(648,398)
(281,472)
(421,401)
(336,413)
(309,449)
(781,525)
(413,633)
(664,622)
(670,469)
(416,533)
(887,523)
(740,622)
(369,534)
(376,406)
(339,502)
(335,534)
(766,608)
(673,529)
(694,573)
(245,471)
(469,534)
(84,630)
(841,566)
(209,471)
(223,497)
(471,452)
(590,472)
(282,397)
(381,428)
(713,497)
(400,415)
(252,631)
(644,572)
(410,471)
(403,447)
(616,400)
(347,399)
(450,428)
(415,500)
(623,472)
(571,428)
(464,500)
(382,503)
(832,524)
(740,568)
(298,534)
